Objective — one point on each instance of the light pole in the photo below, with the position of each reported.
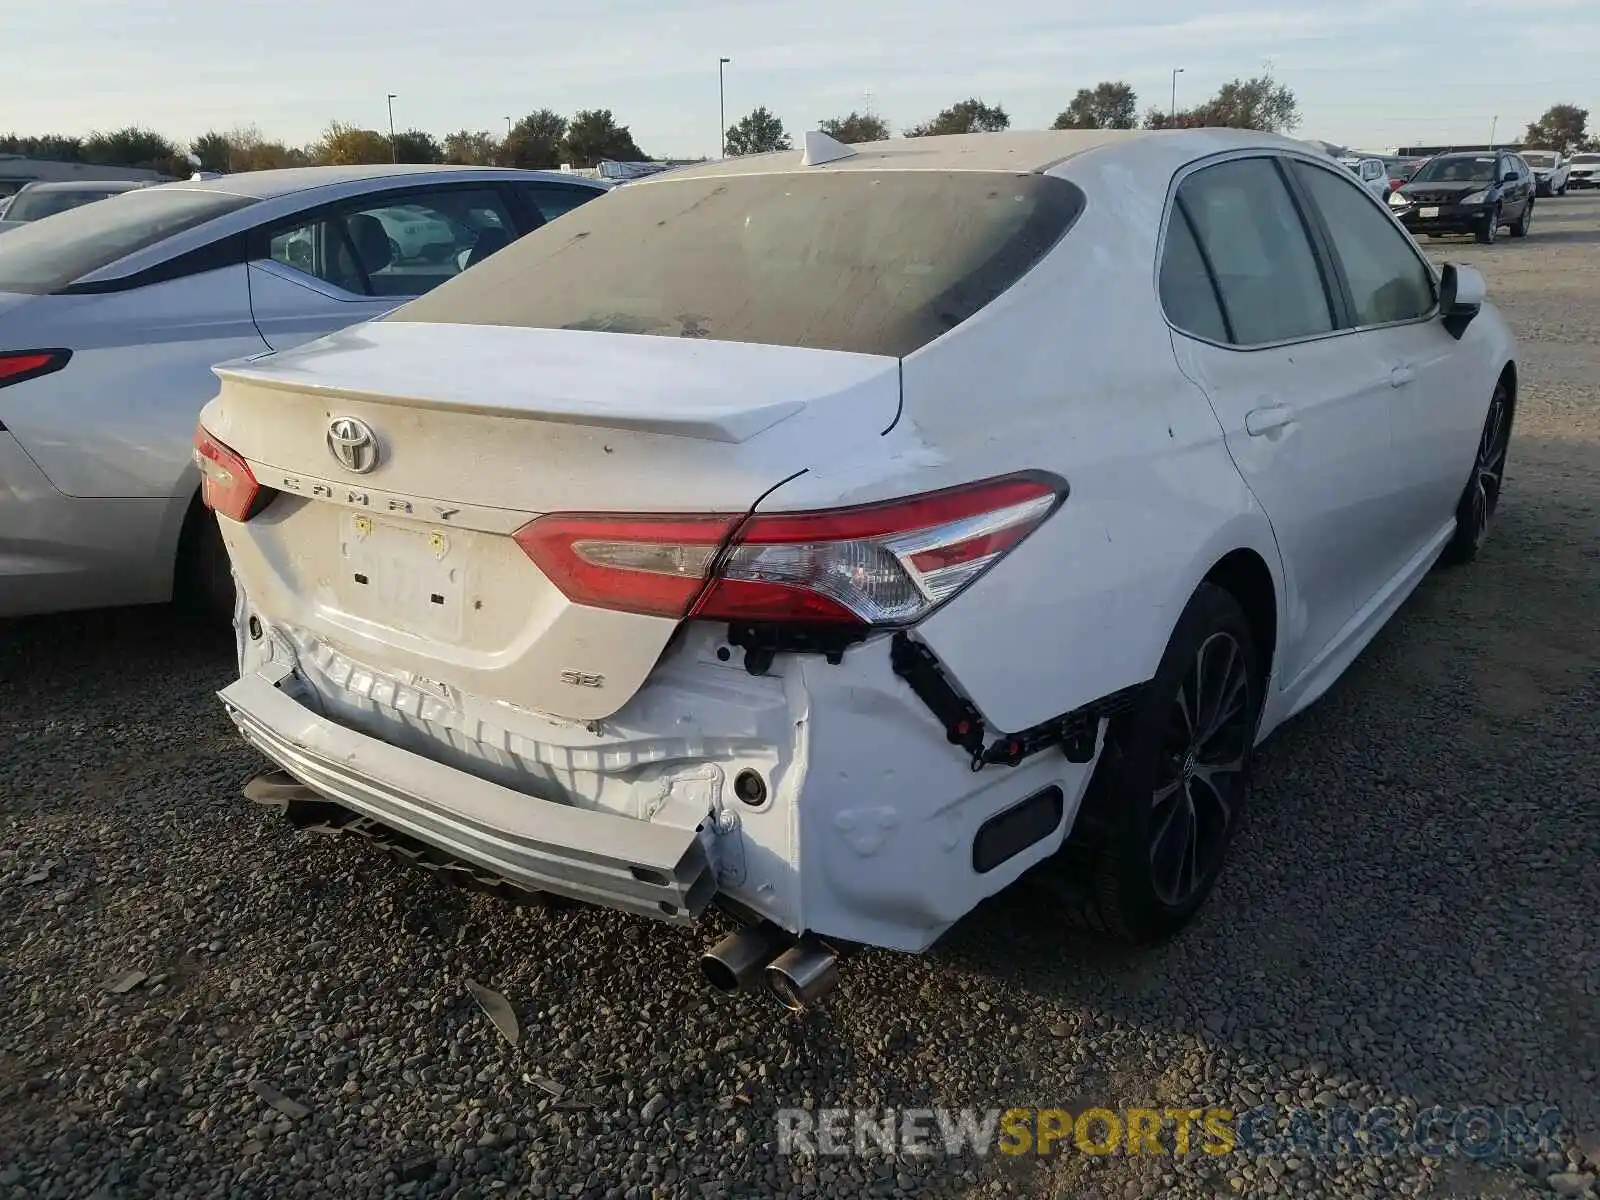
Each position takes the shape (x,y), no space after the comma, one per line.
(508,127)
(1172,115)
(722,108)
(1493,125)
(394,154)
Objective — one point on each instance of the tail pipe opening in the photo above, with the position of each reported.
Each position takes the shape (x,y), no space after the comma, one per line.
(737,960)
(803,974)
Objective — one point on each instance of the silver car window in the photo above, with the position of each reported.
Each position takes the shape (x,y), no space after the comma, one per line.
(46,255)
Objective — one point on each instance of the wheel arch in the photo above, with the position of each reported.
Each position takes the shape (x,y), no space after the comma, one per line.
(1245,575)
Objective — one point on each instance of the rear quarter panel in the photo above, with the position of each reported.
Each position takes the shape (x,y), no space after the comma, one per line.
(119,420)
(1070,371)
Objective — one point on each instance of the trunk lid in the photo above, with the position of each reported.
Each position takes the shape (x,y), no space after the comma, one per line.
(408,565)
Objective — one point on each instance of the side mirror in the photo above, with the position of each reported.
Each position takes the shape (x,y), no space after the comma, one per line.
(1509,177)
(1461,292)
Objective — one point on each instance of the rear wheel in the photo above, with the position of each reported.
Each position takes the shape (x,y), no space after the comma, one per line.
(1172,782)
(1481,497)
(205,577)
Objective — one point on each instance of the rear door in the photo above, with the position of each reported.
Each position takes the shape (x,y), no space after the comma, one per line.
(357,259)
(1259,325)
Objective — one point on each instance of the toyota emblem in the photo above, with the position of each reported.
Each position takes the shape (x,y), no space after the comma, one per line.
(353,444)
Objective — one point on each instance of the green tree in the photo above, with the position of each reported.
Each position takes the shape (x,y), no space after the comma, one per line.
(758,133)
(534,142)
(59,147)
(965,116)
(214,150)
(473,148)
(1110,104)
(417,146)
(594,135)
(1259,103)
(855,127)
(1563,127)
(135,147)
(343,145)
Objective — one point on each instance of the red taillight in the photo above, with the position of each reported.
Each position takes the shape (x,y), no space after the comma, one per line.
(878,564)
(642,564)
(226,485)
(17,365)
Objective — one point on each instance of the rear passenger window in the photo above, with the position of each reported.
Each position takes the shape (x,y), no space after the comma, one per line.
(1187,293)
(1252,234)
(400,245)
(556,199)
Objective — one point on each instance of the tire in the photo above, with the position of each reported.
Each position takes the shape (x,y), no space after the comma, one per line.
(1481,497)
(1150,789)
(1490,230)
(204,585)
(1520,229)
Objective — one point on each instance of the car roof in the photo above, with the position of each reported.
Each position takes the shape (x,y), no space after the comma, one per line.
(267,185)
(1033,151)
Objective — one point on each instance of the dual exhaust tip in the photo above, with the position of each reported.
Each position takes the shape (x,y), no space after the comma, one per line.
(798,973)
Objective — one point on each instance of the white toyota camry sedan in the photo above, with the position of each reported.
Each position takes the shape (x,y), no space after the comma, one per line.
(834,536)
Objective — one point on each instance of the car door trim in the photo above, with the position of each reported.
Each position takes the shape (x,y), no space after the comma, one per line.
(314,283)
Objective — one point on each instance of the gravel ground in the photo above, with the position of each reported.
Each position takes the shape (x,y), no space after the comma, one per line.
(1410,919)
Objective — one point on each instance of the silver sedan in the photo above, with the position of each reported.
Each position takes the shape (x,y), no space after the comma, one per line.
(112,315)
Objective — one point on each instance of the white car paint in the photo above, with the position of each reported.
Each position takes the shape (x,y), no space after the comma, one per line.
(400,654)
(101,479)
(1373,173)
(1551,169)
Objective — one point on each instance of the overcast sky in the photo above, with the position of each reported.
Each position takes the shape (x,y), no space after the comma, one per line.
(1369,73)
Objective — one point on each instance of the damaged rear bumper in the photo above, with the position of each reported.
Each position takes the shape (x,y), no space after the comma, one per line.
(655,870)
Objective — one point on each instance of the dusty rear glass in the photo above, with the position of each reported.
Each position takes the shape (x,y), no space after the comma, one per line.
(46,255)
(872,262)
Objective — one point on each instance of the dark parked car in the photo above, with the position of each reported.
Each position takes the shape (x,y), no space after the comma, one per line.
(1472,192)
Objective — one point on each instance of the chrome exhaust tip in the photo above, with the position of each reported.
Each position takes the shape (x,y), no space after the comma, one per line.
(803,974)
(734,962)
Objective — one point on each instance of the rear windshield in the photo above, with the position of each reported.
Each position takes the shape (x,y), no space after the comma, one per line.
(44,256)
(31,205)
(1586,159)
(872,262)
(1538,159)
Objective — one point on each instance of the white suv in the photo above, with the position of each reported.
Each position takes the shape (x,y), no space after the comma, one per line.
(1551,171)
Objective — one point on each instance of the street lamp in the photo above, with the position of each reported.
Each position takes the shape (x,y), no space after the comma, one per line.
(394,154)
(1172,116)
(508,126)
(722,107)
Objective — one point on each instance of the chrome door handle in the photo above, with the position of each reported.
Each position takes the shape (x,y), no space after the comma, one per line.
(1402,375)
(1264,420)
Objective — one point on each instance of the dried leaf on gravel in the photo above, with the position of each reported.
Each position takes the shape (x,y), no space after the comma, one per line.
(126,982)
(498,1009)
(292,1109)
(549,1086)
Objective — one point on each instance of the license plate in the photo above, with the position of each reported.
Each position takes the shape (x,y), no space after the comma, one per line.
(403,577)
(1432,211)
